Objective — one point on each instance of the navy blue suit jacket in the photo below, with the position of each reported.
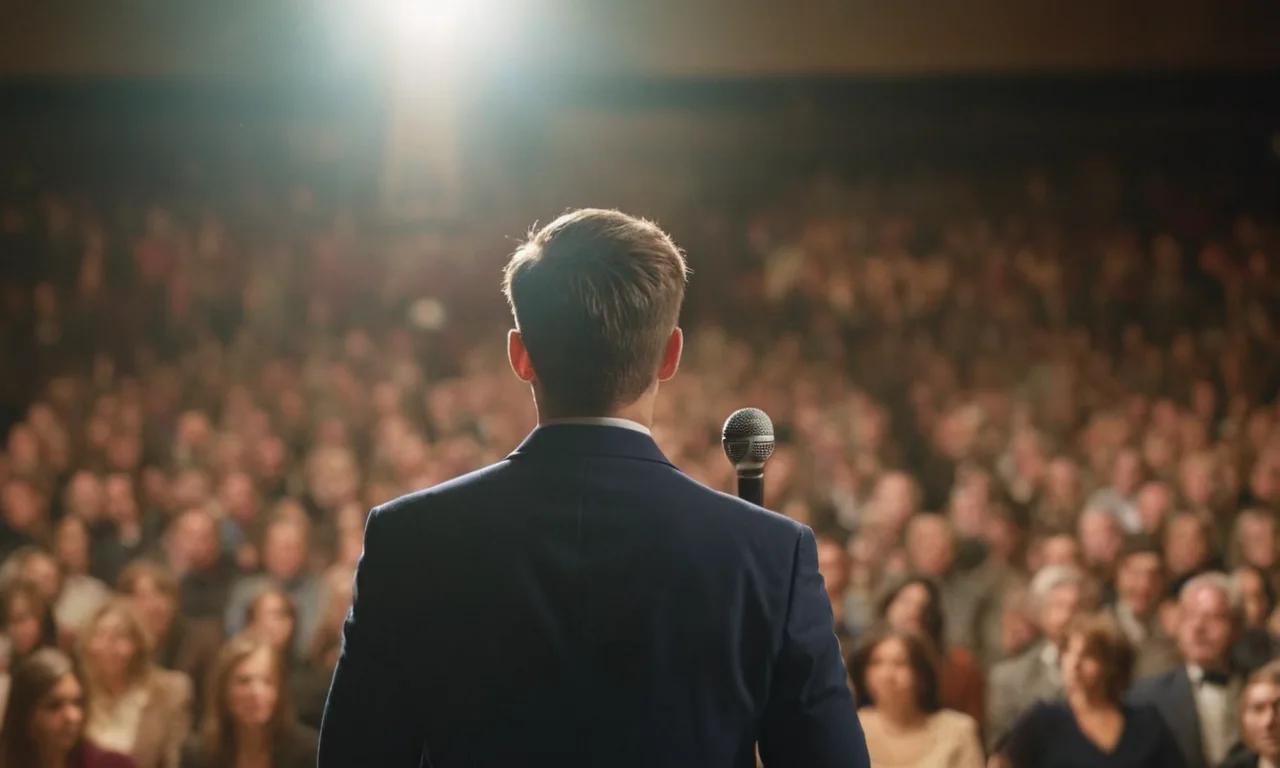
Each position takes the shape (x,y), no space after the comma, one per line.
(583,603)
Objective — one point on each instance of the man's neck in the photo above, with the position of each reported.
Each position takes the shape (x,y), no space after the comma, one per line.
(639,412)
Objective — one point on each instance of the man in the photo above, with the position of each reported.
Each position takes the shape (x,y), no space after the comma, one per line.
(1198,699)
(1033,675)
(1139,585)
(583,603)
(833,566)
(1259,722)
(967,599)
(1101,541)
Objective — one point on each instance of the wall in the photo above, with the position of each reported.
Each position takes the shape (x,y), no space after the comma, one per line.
(256,39)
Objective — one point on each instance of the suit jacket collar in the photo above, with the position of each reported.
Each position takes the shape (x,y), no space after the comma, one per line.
(1185,718)
(590,440)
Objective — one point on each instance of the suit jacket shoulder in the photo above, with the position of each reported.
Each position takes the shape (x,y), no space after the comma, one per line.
(456,500)
(174,686)
(1153,688)
(1016,668)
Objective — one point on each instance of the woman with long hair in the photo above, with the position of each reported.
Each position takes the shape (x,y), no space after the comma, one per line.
(1092,726)
(895,681)
(914,604)
(272,616)
(44,724)
(135,707)
(183,645)
(249,720)
(25,620)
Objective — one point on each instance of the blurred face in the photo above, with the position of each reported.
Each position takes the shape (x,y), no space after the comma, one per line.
(71,546)
(1060,607)
(111,648)
(58,722)
(1140,581)
(350,546)
(1258,541)
(1185,545)
(1081,672)
(1100,538)
(196,540)
(238,497)
(42,571)
(906,612)
(1260,719)
(272,619)
(156,608)
(285,551)
(190,489)
(890,679)
(86,495)
(23,625)
(833,565)
(21,508)
(123,453)
(1127,472)
(122,506)
(1062,481)
(253,690)
(1254,594)
(1154,502)
(930,548)
(1205,628)
(24,449)
(1197,482)
(1060,550)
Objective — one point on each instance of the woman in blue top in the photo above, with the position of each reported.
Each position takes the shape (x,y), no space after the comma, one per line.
(1091,727)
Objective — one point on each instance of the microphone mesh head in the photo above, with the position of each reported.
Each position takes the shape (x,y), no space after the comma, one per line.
(748,437)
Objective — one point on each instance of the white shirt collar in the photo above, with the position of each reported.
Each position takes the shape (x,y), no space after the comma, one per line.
(1195,673)
(1049,655)
(600,421)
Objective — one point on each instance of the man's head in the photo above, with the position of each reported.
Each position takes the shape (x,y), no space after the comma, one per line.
(1210,613)
(1057,593)
(931,545)
(1100,538)
(833,563)
(596,295)
(1140,576)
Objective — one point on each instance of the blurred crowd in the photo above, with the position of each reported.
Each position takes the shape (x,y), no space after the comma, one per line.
(1031,416)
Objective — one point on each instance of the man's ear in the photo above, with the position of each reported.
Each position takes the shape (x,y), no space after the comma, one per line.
(519,357)
(671,355)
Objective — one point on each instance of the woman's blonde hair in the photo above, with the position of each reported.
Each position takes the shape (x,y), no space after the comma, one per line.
(140,666)
(218,733)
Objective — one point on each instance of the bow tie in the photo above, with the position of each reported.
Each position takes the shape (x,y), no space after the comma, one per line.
(1218,679)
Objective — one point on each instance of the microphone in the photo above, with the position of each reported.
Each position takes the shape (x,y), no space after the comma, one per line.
(748,444)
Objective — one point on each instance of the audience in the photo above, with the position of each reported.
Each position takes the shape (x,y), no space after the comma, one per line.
(915,605)
(1092,726)
(1057,595)
(1004,397)
(45,721)
(1259,745)
(250,718)
(1198,699)
(895,682)
(134,707)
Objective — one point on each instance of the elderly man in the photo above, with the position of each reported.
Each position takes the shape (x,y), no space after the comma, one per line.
(1198,698)
(1057,593)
